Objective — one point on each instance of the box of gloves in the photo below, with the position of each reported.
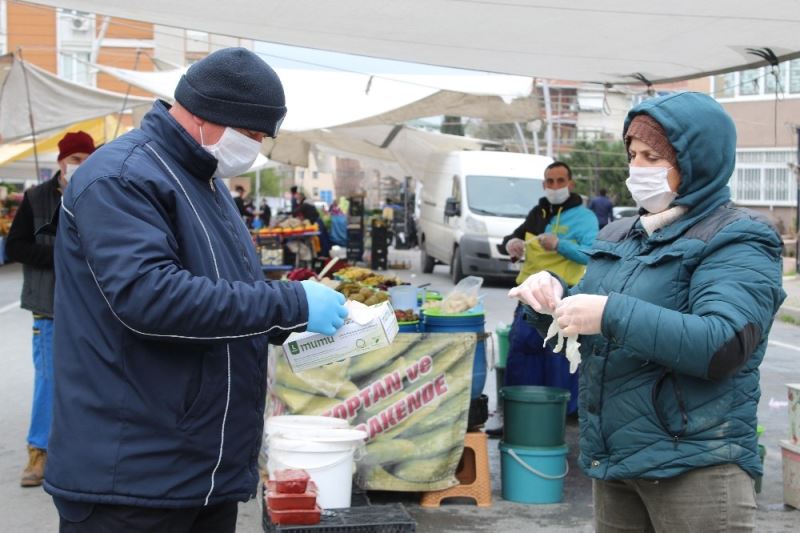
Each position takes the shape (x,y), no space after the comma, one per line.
(366,328)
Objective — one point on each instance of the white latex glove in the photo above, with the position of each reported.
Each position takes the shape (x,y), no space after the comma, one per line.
(572,352)
(541,291)
(515,247)
(581,314)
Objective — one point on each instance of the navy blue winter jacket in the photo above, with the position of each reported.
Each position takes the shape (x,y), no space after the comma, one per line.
(164,318)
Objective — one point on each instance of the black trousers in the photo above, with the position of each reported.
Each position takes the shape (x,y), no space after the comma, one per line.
(101,518)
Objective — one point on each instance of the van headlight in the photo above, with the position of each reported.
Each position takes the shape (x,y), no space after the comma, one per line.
(475,226)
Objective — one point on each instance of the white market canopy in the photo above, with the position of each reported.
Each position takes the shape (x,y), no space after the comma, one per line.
(611,41)
(333,112)
(325,99)
(56,103)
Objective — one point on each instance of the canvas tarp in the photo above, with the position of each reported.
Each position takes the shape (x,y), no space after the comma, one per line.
(325,99)
(101,130)
(332,112)
(56,103)
(581,40)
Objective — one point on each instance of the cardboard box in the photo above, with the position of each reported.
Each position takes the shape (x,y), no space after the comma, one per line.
(791,473)
(794,412)
(367,329)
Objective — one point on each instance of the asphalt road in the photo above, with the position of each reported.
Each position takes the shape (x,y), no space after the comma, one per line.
(31,510)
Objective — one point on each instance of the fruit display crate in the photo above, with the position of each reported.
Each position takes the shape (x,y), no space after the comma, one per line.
(392,518)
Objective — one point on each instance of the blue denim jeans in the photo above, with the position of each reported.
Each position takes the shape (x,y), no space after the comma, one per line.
(530,363)
(42,412)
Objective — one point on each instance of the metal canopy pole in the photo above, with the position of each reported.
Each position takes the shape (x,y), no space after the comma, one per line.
(30,114)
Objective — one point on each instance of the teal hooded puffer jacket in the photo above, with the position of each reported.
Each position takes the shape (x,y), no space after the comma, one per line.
(672,382)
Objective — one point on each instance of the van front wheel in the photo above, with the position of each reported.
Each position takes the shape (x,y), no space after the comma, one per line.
(456,269)
(426,261)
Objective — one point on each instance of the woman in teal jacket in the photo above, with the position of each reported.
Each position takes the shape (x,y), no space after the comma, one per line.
(673,316)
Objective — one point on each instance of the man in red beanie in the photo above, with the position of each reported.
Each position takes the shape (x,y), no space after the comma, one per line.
(35,252)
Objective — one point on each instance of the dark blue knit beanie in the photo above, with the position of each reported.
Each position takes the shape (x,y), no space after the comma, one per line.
(234,87)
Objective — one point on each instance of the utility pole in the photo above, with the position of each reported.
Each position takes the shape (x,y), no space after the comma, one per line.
(797,207)
(548,114)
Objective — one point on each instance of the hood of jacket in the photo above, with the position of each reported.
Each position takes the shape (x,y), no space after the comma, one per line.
(704,138)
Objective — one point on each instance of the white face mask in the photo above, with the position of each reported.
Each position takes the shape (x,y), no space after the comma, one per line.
(69,172)
(557,196)
(235,152)
(650,188)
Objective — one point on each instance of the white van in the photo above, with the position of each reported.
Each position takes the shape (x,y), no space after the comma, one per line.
(470,201)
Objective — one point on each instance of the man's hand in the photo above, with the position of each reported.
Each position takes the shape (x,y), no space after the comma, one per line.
(541,291)
(515,248)
(326,310)
(581,314)
(548,241)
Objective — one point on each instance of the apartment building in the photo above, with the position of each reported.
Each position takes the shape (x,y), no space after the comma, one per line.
(765,104)
(65,41)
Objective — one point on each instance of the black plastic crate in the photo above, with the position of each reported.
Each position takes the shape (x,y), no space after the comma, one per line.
(391,518)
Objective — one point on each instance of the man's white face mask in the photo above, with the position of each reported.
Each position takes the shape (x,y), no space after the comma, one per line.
(650,188)
(235,152)
(557,196)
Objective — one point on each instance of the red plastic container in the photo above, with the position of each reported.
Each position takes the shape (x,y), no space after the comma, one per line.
(273,487)
(291,481)
(296,517)
(285,502)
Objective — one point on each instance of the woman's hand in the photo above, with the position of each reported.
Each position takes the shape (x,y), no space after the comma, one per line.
(541,291)
(581,314)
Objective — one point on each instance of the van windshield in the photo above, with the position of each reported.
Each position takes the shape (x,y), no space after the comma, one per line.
(501,196)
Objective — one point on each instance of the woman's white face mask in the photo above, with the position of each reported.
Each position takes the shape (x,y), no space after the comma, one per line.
(650,188)
(235,152)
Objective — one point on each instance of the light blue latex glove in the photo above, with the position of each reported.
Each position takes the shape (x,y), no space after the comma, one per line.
(326,310)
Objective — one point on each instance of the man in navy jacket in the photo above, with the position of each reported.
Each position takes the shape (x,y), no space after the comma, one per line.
(164,314)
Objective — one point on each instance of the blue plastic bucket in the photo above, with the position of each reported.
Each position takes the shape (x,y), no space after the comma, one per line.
(464,322)
(533,475)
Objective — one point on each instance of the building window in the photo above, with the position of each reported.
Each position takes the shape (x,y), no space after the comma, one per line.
(315,192)
(315,175)
(794,76)
(301,174)
(763,177)
(758,83)
(74,67)
(725,85)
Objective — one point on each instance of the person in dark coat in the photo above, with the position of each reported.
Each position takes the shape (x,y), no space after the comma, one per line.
(603,208)
(165,316)
(266,213)
(35,252)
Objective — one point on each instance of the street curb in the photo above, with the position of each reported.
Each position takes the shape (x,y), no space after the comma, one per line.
(789,314)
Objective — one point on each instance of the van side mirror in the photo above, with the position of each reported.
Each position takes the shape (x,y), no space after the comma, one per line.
(452,208)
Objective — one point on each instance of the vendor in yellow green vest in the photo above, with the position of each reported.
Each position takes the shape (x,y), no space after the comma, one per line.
(555,237)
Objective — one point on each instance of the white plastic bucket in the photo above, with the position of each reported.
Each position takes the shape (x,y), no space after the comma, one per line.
(329,463)
(288,424)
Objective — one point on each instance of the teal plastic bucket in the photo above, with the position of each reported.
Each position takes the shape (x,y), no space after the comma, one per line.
(534,416)
(408,327)
(533,475)
(502,345)
(464,322)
